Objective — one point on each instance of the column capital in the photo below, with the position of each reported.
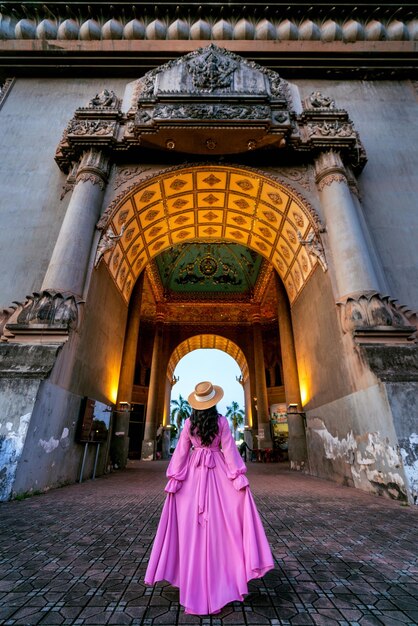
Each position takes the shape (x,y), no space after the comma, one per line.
(93,167)
(329,168)
(160,314)
(255,315)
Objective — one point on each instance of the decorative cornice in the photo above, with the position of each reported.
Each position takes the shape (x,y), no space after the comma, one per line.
(300,21)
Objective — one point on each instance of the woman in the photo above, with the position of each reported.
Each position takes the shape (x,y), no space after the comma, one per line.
(210,541)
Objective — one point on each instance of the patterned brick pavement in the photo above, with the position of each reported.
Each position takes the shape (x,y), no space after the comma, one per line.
(77,555)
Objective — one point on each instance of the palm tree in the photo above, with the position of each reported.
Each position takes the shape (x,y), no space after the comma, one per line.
(236,415)
(181,410)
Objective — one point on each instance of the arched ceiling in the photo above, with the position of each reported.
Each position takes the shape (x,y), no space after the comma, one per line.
(208,204)
(215,342)
(207,271)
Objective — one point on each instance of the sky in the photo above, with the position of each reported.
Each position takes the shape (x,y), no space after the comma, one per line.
(213,365)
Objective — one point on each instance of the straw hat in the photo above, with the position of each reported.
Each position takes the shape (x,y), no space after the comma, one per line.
(205,395)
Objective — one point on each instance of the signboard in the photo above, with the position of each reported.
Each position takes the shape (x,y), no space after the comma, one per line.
(278,413)
(94,421)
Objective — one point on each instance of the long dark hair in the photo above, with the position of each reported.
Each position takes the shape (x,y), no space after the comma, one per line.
(205,423)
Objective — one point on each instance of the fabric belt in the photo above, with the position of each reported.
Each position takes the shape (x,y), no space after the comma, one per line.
(205,459)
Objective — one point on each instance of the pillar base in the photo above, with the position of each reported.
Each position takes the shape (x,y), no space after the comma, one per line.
(119,447)
(148,450)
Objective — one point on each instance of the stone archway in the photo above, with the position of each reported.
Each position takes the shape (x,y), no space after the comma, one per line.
(215,342)
(209,203)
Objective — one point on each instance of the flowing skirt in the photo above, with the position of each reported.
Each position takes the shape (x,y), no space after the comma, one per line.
(210,540)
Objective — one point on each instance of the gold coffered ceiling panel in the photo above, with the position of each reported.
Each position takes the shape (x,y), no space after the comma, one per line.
(213,342)
(206,203)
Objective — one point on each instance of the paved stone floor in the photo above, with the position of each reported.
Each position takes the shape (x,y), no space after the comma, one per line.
(77,555)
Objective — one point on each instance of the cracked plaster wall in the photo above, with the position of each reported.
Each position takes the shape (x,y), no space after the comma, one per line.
(353,441)
(51,456)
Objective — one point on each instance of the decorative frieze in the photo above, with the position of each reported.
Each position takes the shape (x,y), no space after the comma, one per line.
(371,316)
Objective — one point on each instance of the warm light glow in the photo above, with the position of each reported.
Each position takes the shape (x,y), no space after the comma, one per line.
(113,394)
(304,392)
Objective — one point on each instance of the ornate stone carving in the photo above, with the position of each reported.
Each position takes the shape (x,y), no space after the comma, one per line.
(107,242)
(5,89)
(91,127)
(314,248)
(330,129)
(212,70)
(329,168)
(104,99)
(70,182)
(126,173)
(370,315)
(46,313)
(318,101)
(216,112)
(94,167)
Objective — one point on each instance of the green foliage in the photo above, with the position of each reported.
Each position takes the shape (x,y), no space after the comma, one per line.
(236,415)
(180,411)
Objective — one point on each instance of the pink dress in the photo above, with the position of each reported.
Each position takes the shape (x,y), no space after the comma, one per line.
(210,540)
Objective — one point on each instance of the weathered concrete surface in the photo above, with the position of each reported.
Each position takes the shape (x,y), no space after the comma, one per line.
(78,555)
(353,441)
(33,119)
(22,369)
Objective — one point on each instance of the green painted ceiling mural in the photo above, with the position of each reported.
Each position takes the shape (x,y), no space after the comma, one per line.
(211,268)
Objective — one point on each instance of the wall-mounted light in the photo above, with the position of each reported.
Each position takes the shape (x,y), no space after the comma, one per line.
(124,407)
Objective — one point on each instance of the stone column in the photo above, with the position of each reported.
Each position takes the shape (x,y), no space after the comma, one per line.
(351,260)
(364,311)
(120,442)
(68,266)
(297,436)
(264,439)
(152,417)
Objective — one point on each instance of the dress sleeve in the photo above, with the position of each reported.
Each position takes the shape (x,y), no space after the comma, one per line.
(179,464)
(235,466)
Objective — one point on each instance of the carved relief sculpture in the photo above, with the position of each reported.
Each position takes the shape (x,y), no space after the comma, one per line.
(107,242)
(314,248)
